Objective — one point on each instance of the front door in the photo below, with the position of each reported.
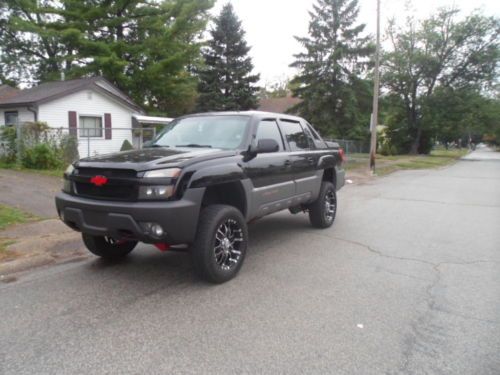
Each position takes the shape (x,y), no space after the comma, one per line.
(270,173)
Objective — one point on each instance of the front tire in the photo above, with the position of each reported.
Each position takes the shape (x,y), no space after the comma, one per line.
(220,246)
(107,247)
(323,210)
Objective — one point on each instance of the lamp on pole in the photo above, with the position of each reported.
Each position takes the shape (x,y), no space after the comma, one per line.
(376,83)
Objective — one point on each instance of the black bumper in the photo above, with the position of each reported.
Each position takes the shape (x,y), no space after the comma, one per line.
(178,219)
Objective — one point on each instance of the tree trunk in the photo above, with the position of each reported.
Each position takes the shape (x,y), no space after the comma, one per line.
(416,142)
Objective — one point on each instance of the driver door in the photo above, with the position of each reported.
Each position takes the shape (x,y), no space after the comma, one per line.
(270,173)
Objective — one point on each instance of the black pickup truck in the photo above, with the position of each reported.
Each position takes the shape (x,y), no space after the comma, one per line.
(199,183)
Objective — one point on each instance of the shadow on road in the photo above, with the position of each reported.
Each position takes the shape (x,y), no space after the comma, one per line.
(148,265)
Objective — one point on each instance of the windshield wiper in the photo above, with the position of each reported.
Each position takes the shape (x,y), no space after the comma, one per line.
(155,145)
(194,145)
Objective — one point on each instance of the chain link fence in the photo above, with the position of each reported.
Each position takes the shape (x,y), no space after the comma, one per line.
(35,143)
(357,152)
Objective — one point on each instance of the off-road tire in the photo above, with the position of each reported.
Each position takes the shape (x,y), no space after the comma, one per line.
(214,259)
(106,247)
(320,211)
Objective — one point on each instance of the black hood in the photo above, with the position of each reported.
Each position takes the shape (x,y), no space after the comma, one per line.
(156,157)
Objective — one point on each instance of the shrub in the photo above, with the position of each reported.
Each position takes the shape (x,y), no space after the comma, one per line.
(68,149)
(8,147)
(41,156)
(126,146)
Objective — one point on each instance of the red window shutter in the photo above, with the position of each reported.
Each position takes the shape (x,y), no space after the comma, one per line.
(72,125)
(107,125)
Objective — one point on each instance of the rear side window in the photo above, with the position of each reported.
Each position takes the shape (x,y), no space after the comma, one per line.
(311,129)
(268,129)
(295,136)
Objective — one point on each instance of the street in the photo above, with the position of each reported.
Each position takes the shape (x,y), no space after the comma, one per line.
(407,281)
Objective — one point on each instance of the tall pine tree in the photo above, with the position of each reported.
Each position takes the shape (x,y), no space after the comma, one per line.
(226,80)
(336,96)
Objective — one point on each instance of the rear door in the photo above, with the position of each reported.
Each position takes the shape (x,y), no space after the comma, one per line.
(303,158)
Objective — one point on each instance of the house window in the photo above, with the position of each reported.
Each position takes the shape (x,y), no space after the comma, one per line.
(11,117)
(90,126)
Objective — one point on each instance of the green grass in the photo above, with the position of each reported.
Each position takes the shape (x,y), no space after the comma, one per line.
(44,172)
(392,163)
(436,159)
(10,215)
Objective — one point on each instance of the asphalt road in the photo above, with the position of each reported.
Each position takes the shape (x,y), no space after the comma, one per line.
(406,282)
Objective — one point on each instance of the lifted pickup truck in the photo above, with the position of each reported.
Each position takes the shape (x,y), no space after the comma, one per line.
(199,183)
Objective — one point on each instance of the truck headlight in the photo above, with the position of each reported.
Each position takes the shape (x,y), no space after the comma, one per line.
(163,173)
(66,182)
(156,192)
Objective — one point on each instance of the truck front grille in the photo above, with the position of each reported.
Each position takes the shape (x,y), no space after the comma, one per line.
(122,184)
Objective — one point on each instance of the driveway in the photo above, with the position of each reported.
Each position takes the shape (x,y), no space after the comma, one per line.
(406,282)
(30,192)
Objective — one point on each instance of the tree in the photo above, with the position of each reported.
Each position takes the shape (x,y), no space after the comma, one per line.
(331,79)
(464,114)
(226,80)
(147,48)
(439,52)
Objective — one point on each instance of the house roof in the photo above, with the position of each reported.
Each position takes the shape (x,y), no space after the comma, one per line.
(278,105)
(49,91)
(7,91)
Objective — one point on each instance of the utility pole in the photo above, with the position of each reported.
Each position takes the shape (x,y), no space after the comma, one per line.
(376,78)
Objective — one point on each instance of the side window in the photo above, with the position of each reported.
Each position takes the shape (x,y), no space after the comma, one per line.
(269,129)
(311,129)
(309,138)
(295,136)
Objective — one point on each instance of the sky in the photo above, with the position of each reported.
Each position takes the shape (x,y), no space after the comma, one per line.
(271,24)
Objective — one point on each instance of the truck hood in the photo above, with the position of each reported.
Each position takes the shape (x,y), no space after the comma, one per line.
(151,158)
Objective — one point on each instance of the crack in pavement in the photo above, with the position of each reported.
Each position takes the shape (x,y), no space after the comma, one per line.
(427,336)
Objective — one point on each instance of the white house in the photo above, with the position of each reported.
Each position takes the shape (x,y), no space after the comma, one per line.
(92,109)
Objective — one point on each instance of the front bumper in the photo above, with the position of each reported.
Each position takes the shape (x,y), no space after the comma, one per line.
(119,220)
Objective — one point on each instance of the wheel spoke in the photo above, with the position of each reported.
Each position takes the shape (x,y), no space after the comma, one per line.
(228,239)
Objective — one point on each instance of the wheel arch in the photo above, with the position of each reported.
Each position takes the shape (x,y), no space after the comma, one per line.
(329,174)
(230,193)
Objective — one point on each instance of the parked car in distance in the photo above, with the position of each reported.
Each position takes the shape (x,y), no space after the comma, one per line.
(199,183)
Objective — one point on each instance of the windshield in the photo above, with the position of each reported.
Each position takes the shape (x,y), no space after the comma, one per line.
(226,132)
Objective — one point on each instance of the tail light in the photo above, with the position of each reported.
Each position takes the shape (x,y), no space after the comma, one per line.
(342,155)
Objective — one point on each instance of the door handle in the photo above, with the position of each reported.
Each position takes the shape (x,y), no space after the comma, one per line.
(288,163)
(311,160)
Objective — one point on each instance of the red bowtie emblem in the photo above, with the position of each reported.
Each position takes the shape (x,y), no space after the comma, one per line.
(99,180)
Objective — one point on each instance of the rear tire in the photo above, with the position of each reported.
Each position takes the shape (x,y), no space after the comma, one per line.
(107,247)
(220,245)
(323,210)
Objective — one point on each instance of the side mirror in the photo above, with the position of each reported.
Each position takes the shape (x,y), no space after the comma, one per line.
(267,145)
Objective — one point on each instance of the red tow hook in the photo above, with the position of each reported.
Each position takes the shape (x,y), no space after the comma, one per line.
(162,246)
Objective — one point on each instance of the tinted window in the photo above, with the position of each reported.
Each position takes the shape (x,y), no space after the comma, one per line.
(309,138)
(295,136)
(311,129)
(269,129)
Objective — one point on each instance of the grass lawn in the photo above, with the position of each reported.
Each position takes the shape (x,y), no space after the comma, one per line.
(45,172)
(389,164)
(10,216)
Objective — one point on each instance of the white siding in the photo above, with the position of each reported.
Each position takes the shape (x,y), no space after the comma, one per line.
(23,113)
(91,103)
